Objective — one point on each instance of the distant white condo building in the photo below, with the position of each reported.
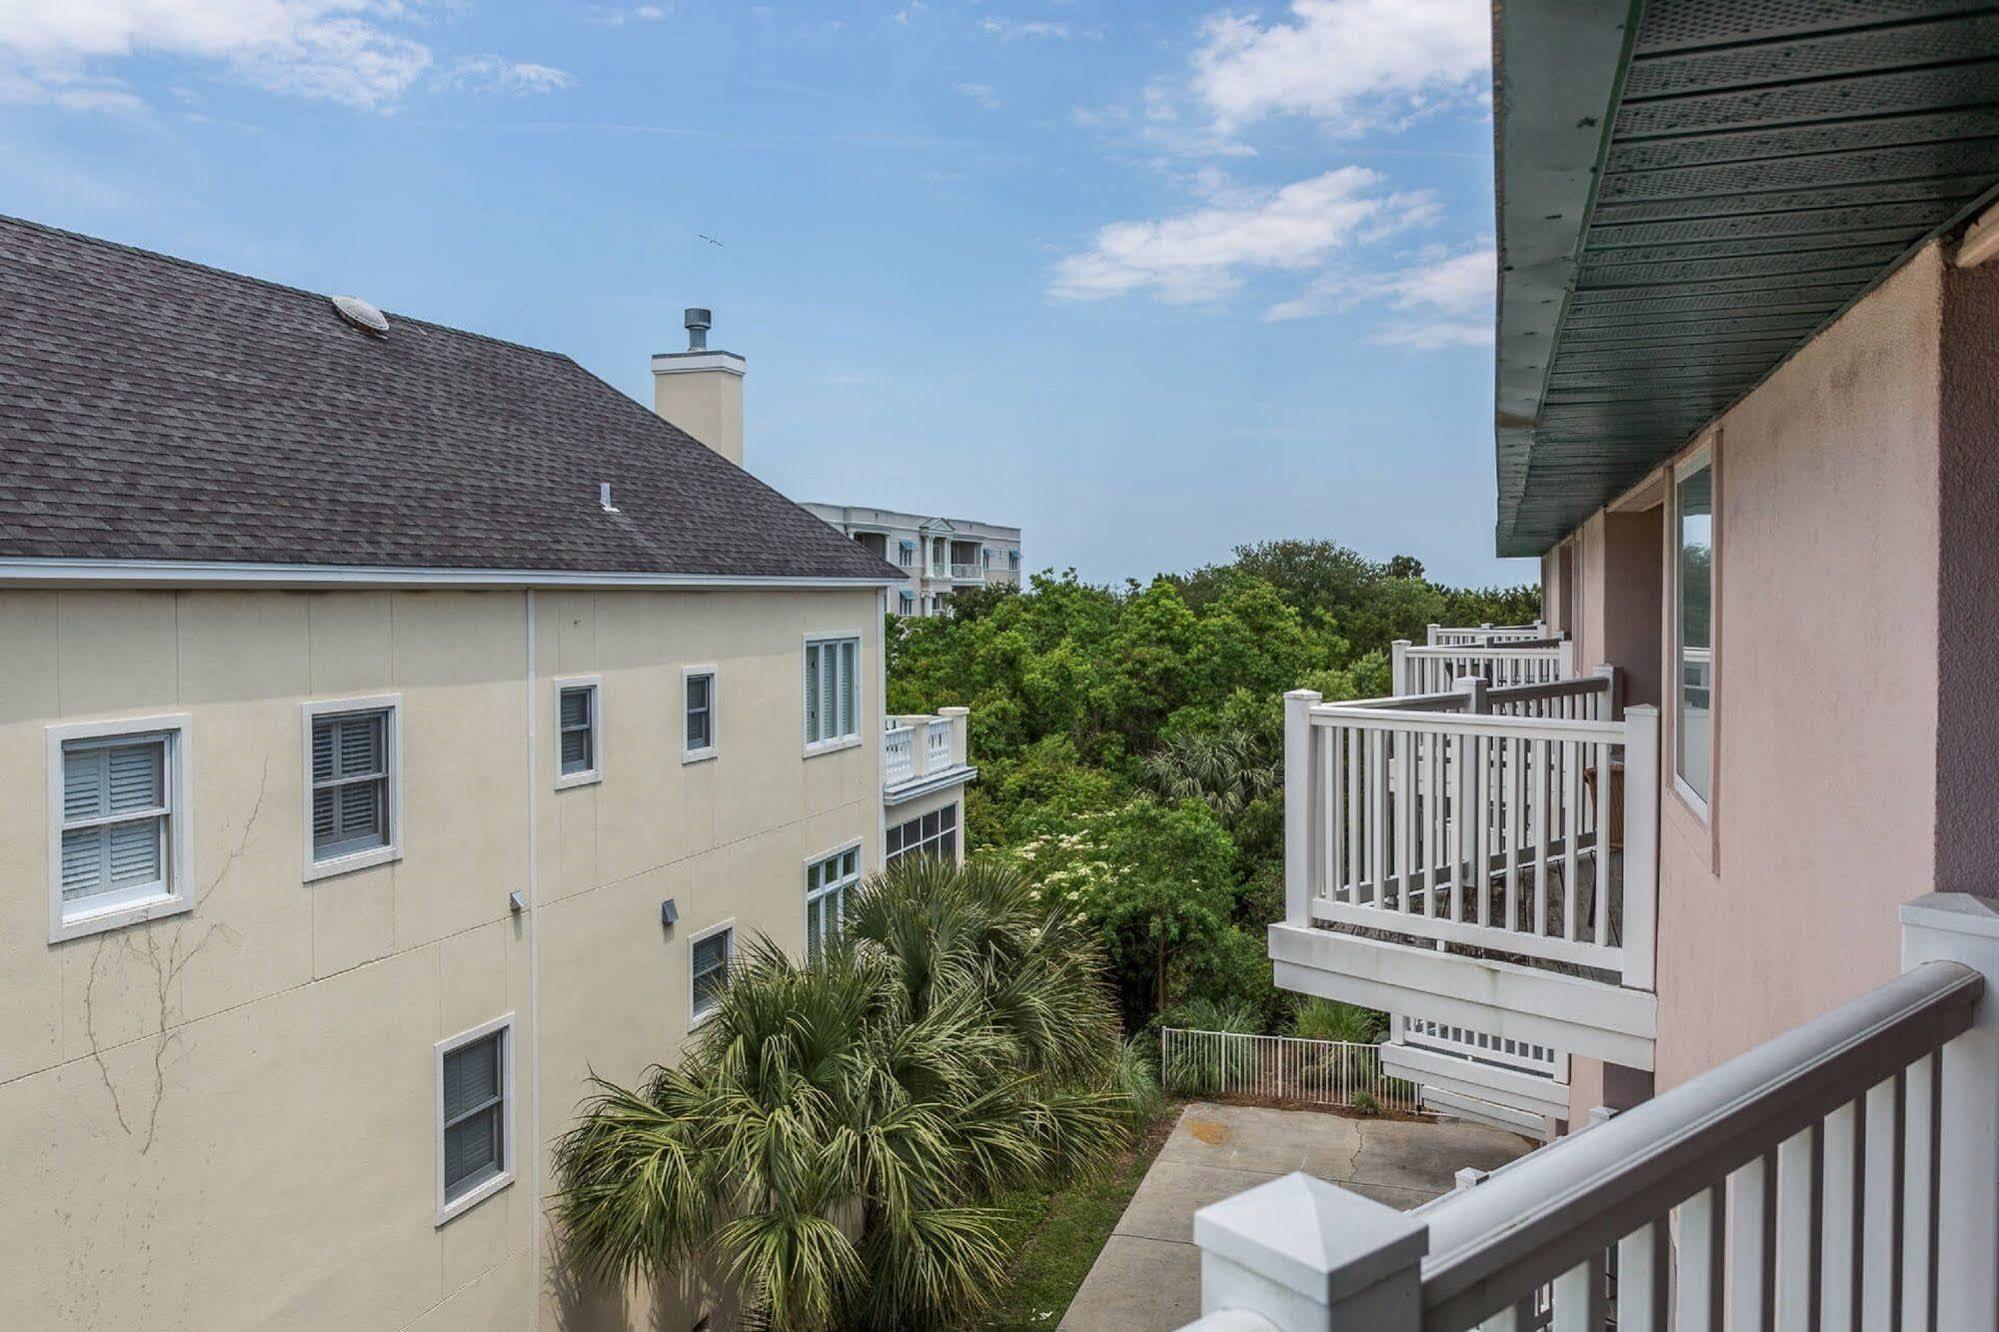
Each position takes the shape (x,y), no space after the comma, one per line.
(938,556)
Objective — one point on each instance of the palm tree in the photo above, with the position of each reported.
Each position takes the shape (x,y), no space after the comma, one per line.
(1226,769)
(836,1131)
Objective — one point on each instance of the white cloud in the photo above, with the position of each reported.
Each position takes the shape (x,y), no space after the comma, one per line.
(610,17)
(1347,63)
(982,93)
(1007,30)
(491,73)
(338,50)
(1443,299)
(1209,252)
(355,52)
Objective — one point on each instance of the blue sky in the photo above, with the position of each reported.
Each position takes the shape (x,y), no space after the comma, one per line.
(1149,279)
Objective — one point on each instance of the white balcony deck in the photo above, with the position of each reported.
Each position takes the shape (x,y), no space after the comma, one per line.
(1481,857)
(921,754)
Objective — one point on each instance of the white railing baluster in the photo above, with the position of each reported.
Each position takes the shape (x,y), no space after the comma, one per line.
(1918,1179)
(1844,1186)
(1580,1305)
(1752,1245)
(1334,843)
(1702,1283)
(1644,1274)
(1800,1188)
(1880,1256)
(1377,814)
(1572,801)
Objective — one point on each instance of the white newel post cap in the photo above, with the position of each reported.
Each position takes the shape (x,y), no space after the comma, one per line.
(1338,1260)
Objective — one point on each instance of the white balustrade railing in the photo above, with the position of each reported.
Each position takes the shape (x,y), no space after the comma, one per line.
(1484,634)
(1433,670)
(1528,836)
(1279,1068)
(940,733)
(1843,1175)
(898,755)
(968,571)
(919,745)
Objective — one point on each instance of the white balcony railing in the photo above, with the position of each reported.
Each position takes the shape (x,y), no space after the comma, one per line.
(918,749)
(963,572)
(1843,1175)
(898,755)
(1490,831)
(1431,670)
(1485,635)
(1515,1084)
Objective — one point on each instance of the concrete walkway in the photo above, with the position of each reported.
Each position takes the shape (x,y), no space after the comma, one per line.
(1148,1277)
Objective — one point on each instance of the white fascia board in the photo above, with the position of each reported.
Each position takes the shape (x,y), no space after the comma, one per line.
(1583,1017)
(229,573)
(903,792)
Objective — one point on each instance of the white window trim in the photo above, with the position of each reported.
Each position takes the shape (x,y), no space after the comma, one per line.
(688,674)
(504,1024)
(393,737)
(815,748)
(847,885)
(179,857)
(695,1019)
(1702,456)
(595,772)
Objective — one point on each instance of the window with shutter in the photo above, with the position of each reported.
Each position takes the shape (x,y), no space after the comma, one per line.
(474,1152)
(577,725)
(709,970)
(832,692)
(115,842)
(350,783)
(700,713)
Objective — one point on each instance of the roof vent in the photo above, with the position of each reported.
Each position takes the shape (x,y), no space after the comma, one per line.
(698,323)
(362,315)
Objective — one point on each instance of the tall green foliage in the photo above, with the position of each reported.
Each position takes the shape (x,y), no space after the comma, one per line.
(1144,725)
(836,1134)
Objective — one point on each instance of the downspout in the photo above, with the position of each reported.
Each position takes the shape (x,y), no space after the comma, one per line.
(881,729)
(534,987)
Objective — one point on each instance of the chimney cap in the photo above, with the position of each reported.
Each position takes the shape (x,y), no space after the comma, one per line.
(698,322)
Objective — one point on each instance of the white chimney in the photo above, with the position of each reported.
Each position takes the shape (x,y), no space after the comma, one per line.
(701,391)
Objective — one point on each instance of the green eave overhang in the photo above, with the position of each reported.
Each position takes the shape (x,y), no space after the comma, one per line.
(1688,191)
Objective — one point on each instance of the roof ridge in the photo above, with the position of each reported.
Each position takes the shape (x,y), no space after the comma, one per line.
(8,219)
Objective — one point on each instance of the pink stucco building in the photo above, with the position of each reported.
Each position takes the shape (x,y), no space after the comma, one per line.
(1694,877)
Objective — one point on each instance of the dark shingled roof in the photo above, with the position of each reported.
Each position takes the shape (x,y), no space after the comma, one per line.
(155,409)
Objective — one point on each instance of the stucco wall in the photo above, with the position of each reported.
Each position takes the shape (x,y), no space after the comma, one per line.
(1827,535)
(228,1118)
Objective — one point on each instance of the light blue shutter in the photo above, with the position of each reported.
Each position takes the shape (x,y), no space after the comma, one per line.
(811,692)
(103,782)
(848,691)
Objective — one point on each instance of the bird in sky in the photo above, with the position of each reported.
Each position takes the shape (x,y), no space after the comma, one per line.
(711,240)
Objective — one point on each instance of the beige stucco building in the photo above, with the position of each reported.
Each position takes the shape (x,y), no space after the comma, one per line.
(375,777)
(938,556)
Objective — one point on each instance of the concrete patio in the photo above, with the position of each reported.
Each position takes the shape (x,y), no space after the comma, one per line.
(1148,1277)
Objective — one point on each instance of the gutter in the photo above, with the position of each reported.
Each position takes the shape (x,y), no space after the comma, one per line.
(18,571)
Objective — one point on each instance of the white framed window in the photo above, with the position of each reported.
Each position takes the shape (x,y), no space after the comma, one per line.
(709,955)
(579,731)
(1693,628)
(832,691)
(475,1141)
(932,834)
(828,881)
(120,823)
(905,603)
(697,692)
(353,785)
